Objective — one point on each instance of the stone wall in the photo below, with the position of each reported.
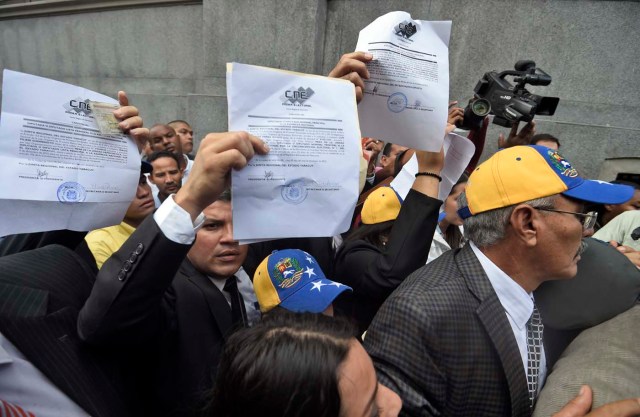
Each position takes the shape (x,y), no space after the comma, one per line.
(171,59)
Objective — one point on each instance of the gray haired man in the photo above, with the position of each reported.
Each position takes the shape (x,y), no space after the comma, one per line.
(462,335)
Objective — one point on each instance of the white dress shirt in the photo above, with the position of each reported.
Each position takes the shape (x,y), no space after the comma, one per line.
(518,306)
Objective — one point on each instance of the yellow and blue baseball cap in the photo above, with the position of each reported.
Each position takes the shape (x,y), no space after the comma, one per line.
(522,173)
(382,205)
(293,280)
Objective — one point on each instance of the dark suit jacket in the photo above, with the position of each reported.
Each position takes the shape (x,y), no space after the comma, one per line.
(442,341)
(41,292)
(148,296)
(374,274)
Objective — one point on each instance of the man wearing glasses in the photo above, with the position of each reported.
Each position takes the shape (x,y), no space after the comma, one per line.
(462,335)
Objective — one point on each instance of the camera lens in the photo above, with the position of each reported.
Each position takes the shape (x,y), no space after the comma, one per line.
(481,107)
(474,114)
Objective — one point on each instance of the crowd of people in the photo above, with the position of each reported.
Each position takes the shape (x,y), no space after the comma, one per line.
(422,308)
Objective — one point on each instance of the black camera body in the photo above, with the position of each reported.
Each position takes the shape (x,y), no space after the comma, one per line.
(508,103)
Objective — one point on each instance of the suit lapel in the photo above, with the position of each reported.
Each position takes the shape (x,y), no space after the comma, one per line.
(51,345)
(494,319)
(217,303)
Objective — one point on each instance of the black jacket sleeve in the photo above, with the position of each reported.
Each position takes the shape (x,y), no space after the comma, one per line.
(374,274)
(126,305)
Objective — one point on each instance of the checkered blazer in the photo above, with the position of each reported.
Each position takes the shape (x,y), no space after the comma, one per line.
(443,342)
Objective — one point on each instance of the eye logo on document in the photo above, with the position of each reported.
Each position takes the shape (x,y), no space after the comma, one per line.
(77,106)
(406,29)
(296,97)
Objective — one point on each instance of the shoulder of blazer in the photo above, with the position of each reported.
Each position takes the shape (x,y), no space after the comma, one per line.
(20,301)
(53,268)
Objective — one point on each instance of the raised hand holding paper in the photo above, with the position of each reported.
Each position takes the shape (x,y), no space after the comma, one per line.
(311,173)
(458,151)
(406,96)
(57,171)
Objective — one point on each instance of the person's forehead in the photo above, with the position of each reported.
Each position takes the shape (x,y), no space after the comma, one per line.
(458,188)
(357,375)
(180,125)
(218,210)
(397,148)
(569,204)
(164,163)
(161,130)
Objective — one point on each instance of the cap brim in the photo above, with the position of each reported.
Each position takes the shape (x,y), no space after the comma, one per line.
(601,192)
(309,300)
(145,167)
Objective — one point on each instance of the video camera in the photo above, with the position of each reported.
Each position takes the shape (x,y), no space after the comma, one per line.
(510,104)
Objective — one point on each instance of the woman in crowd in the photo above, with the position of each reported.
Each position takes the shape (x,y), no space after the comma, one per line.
(299,365)
(392,241)
(449,232)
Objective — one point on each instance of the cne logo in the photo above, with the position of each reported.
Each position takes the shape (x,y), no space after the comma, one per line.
(406,29)
(505,97)
(78,106)
(296,97)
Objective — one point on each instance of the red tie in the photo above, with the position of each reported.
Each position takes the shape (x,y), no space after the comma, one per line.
(11,410)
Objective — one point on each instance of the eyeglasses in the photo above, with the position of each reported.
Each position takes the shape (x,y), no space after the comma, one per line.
(588,220)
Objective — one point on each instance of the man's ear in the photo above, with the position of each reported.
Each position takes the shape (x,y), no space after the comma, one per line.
(384,160)
(525,223)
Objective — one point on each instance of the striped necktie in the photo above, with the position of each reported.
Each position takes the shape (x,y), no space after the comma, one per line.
(534,353)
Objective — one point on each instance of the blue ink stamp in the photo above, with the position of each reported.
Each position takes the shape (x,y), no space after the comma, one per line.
(397,102)
(295,192)
(71,192)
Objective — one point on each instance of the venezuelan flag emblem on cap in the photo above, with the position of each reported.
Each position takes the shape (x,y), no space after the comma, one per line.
(292,279)
(522,173)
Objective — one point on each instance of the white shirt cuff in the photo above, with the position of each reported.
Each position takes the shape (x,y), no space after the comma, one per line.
(371,178)
(175,223)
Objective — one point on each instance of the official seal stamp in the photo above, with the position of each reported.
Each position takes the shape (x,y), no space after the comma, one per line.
(295,192)
(397,102)
(71,192)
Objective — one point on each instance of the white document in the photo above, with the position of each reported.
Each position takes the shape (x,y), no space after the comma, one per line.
(458,152)
(407,93)
(307,186)
(56,170)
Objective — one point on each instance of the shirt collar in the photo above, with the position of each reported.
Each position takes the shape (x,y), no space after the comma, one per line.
(5,357)
(517,303)
(127,228)
(219,282)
